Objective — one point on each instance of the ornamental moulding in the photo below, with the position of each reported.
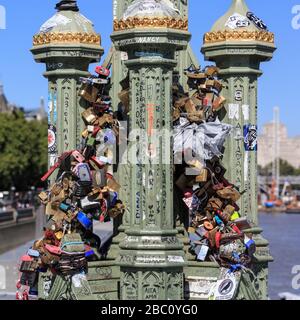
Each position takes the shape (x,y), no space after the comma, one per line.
(131,23)
(264,36)
(66,37)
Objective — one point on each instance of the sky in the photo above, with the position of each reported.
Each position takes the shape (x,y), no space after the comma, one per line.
(24,84)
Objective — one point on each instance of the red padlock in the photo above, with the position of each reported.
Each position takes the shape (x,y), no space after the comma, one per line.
(218,239)
(101,71)
(236,229)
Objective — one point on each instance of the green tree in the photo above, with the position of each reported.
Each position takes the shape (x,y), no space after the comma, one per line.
(286,169)
(23,151)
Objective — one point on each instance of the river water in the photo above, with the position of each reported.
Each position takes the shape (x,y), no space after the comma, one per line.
(283,232)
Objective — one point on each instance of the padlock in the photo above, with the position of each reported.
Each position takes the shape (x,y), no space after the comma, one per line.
(102,71)
(124,98)
(218,221)
(208,225)
(78,156)
(191,230)
(217,85)
(64,207)
(235,216)
(105,119)
(90,141)
(201,252)
(85,133)
(33,253)
(99,178)
(43,196)
(250,245)
(95,163)
(117,210)
(89,92)
(87,204)
(113,184)
(66,184)
(83,172)
(211,71)
(224,216)
(201,231)
(202,177)
(84,220)
(82,189)
(209,83)
(88,116)
(242,223)
(92,81)
(218,103)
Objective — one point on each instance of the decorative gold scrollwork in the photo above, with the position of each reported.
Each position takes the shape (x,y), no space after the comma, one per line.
(220,36)
(66,37)
(156,22)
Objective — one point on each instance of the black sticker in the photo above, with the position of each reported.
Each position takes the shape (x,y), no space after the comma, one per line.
(258,22)
(250,137)
(52,145)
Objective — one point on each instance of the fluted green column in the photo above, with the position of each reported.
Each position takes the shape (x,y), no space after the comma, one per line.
(67,44)
(238,43)
(151,257)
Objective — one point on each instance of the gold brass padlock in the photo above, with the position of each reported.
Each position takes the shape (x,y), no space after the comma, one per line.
(88,116)
(124,98)
(212,71)
(85,133)
(218,85)
(202,177)
(89,92)
(43,196)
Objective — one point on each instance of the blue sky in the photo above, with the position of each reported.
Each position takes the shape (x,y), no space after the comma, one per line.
(24,84)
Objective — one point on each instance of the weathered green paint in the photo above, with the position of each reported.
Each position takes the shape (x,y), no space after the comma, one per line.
(151,256)
(65,63)
(184,59)
(239,63)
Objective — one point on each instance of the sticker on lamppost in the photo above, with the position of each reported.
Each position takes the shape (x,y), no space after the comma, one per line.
(258,22)
(2,18)
(250,137)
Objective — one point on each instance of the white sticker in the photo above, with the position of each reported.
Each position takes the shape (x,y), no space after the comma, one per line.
(56,20)
(246,111)
(234,111)
(225,289)
(246,166)
(237,21)
(77,279)
(124,56)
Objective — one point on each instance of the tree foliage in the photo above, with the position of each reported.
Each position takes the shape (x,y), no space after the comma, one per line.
(286,169)
(23,151)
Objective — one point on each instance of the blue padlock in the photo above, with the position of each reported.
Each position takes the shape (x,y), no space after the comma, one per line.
(64,207)
(84,220)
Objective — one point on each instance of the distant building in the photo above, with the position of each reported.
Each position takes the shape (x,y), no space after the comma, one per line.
(5,106)
(36,114)
(289,146)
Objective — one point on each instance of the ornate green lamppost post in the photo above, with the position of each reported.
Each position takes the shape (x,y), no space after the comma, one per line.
(238,43)
(67,44)
(118,58)
(151,257)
